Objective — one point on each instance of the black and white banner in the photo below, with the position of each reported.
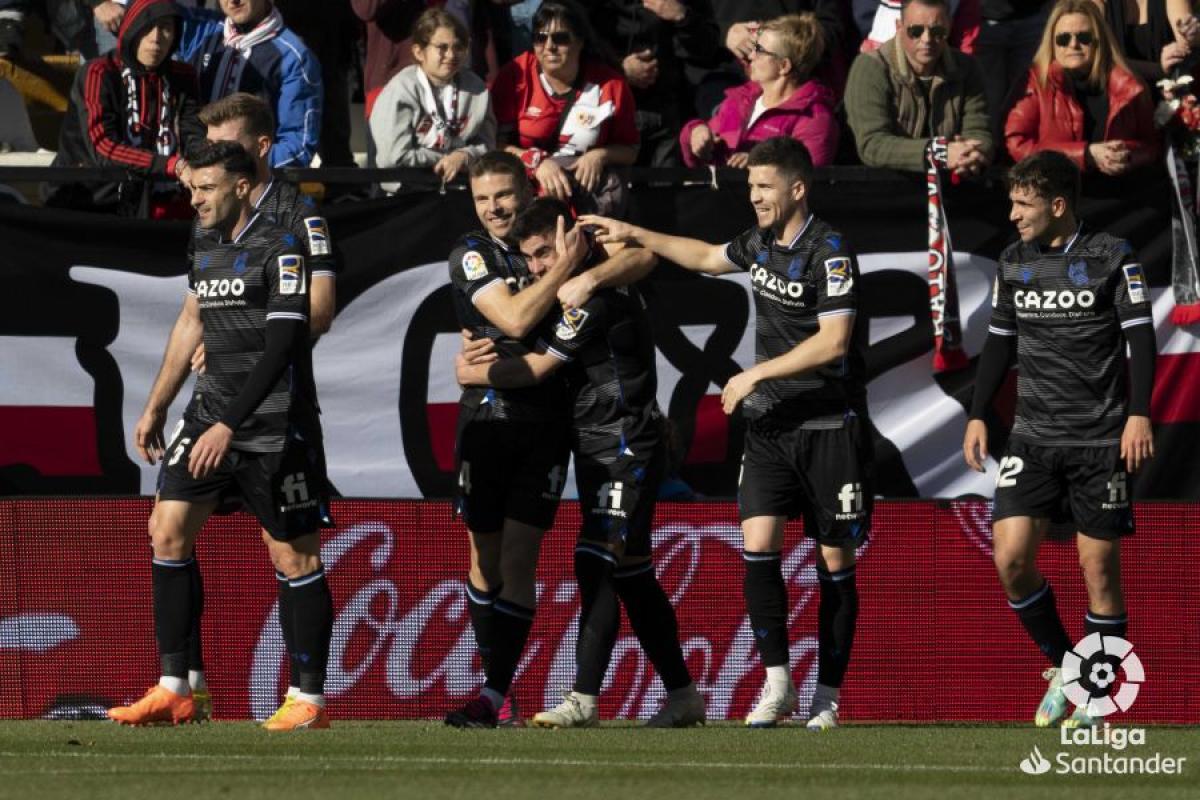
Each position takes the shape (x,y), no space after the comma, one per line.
(93,300)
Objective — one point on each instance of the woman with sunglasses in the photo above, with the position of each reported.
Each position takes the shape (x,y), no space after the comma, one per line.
(566,112)
(434,113)
(780,99)
(1082,99)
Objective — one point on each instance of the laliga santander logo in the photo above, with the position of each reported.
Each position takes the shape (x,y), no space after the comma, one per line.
(689,558)
(1091,663)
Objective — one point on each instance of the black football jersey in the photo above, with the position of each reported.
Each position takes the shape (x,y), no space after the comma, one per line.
(478,264)
(611,376)
(794,286)
(240,285)
(1067,307)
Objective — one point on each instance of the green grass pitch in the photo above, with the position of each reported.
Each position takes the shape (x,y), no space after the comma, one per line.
(427,760)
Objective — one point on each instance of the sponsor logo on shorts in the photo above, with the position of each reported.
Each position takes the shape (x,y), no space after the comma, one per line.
(608,499)
(291,275)
(294,489)
(851,499)
(318,236)
(1118,492)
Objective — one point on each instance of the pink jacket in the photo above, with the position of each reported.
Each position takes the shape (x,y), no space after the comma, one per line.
(807,115)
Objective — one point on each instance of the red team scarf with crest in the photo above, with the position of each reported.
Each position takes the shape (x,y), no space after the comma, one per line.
(948,354)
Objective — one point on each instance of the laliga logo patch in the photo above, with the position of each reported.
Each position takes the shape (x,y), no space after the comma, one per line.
(291,275)
(570,324)
(474,267)
(318,236)
(1135,282)
(838,280)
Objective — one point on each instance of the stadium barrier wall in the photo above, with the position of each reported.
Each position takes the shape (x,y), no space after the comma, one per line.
(936,640)
(98,296)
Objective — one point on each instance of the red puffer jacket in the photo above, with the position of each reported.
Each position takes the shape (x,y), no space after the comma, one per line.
(1050,118)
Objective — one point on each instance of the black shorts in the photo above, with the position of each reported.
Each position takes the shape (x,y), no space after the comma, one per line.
(1084,485)
(616,500)
(510,470)
(284,490)
(823,475)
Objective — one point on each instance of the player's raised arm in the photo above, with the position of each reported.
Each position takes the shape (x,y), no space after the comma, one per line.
(626,264)
(186,335)
(691,254)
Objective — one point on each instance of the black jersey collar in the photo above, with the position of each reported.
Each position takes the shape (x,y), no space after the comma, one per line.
(803,229)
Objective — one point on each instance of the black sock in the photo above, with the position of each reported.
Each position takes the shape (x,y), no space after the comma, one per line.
(172,614)
(653,620)
(511,624)
(1106,625)
(483,620)
(766,602)
(196,587)
(287,625)
(312,620)
(1039,614)
(599,618)
(836,618)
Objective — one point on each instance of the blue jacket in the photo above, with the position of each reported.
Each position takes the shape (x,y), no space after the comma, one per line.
(281,70)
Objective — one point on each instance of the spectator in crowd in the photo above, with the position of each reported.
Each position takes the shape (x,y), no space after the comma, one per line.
(1082,99)
(331,32)
(246,48)
(916,88)
(739,21)
(389,26)
(1145,33)
(1008,37)
(12,26)
(884,14)
(566,112)
(134,107)
(782,98)
(510,26)
(655,41)
(434,113)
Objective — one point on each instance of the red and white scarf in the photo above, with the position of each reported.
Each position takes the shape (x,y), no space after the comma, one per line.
(948,354)
(240,46)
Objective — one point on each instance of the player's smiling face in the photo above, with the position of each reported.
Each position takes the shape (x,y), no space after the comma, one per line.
(215,196)
(775,201)
(1036,217)
(539,253)
(498,197)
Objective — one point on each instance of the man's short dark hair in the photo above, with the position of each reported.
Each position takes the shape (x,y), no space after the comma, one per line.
(499,162)
(785,154)
(541,217)
(252,110)
(1048,174)
(228,155)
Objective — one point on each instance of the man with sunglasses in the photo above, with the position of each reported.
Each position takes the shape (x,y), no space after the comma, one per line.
(915,91)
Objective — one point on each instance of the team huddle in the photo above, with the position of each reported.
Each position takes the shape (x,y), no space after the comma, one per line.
(558,361)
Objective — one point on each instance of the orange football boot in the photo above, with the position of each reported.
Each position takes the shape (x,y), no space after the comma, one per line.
(298,715)
(158,705)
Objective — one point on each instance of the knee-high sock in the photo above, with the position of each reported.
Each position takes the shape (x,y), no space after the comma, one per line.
(836,618)
(1106,624)
(511,624)
(312,620)
(287,624)
(196,587)
(1038,612)
(599,617)
(766,603)
(172,614)
(481,609)
(653,620)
